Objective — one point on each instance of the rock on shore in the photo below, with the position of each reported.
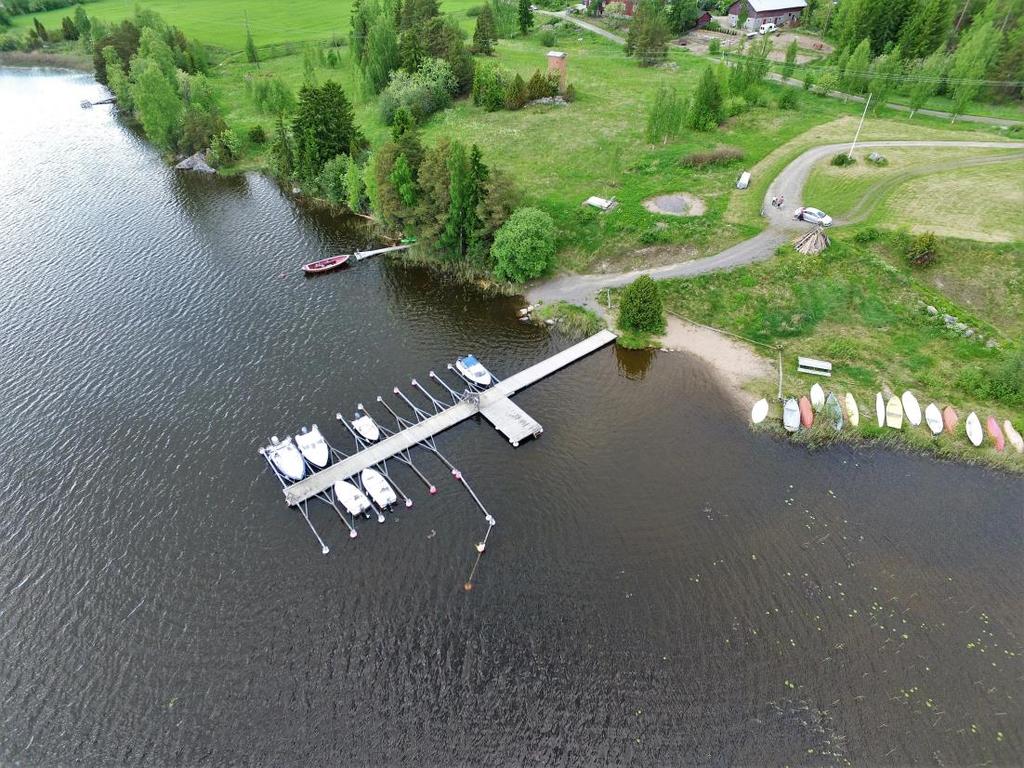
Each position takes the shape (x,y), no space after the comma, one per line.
(196,162)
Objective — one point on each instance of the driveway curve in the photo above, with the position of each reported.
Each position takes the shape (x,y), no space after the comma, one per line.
(583,289)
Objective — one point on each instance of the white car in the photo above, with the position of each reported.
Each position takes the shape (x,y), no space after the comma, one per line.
(767,29)
(813,216)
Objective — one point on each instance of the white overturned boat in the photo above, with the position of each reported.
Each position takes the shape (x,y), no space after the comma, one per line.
(286,458)
(759,411)
(973,429)
(791,415)
(379,489)
(313,447)
(471,368)
(352,499)
(817,397)
(911,408)
(367,427)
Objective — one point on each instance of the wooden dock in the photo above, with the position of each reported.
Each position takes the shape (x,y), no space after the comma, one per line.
(360,255)
(493,404)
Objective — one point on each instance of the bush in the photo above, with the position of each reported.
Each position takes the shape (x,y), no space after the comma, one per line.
(541,86)
(866,235)
(224,148)
(734,105)
(524,246)
(808,81)
(1002,381)
(428,90)
(713,26)
(842,160)
(922,250)
(515,93)
(491,85)
(640,307)
(714,47)
(570,93)
(333,179)
(476,10)
(257,135)
(717,156)
(788,99)
(547,38)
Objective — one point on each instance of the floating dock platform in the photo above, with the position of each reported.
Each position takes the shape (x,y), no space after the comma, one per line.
(492,403)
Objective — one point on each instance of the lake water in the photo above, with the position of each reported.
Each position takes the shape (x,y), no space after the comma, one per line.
(662,587)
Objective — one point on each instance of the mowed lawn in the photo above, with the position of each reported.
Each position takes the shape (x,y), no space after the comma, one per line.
(222,23)
(983,203)
(858,191)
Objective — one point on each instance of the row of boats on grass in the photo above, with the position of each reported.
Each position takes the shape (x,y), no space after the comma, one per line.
(801,413)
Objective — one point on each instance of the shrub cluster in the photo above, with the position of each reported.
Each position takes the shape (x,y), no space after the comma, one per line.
(922,249)
(717,156)
(495,87)
(426,91)
(842,160)
(640,308)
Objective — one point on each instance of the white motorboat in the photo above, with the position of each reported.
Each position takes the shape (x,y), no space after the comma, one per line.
(379,489)
(791,415)
(367,427)
(471,368)
(354,500)
(286,458)
(313,447)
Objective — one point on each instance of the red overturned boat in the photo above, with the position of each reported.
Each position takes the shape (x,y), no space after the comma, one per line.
(325,265)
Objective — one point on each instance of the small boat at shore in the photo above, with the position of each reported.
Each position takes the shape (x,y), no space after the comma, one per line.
(472,369)
(911,408)
(894,413)
(379,489)
(880,409)
(806,412)
(933,418)
(1013,436)
(325,265)
(759,411)
(354,500)
(950,419)
(973,428)
(791,415)
(286,458)
(996,433)
(852,411)
(313,447)
(833,412)
(817,397)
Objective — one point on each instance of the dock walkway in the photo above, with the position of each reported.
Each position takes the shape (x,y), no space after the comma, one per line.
(492,403)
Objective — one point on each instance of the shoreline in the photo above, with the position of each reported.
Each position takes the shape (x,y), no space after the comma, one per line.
(46,59)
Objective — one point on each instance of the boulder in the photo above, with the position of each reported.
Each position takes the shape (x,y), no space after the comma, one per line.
(949,319)
(931,310)
(197,163)
(969,333)
(961,327)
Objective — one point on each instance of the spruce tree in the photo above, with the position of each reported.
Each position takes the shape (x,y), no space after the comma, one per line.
(648,34)
(461,211)
(525,17)
(485,34)
(790,63)
(250,48)
(324,127)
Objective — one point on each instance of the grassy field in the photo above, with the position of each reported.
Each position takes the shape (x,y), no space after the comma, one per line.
(858,308)
(222,23)
(983,203)
(857,192)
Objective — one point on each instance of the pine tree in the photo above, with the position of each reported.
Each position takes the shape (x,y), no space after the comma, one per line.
(648,34)
(682,15)
(790,64)
(706,109)
(525,17)
(250,47)
(461,213)
(323,126)
(485,34)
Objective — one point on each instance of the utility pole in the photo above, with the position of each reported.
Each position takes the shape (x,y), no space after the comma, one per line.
(857,134)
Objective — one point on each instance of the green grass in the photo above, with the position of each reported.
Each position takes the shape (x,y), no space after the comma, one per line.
(858,191)
(983,203)
(222,23)
(573,321)
(857,308)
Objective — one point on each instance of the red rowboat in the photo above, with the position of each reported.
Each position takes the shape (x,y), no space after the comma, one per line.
(806,414)
(996,433)
(324,265)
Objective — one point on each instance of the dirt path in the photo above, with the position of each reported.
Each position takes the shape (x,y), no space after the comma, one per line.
(583,289)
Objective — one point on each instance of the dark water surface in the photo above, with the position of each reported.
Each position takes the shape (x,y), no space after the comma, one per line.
(662,587)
